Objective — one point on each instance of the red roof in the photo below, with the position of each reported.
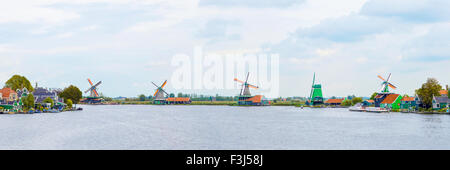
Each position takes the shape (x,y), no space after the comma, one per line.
(6,92)
(443,92)
(334,101)
(370,101)
(408,99)
(255,99)
(390,99)
(178,99)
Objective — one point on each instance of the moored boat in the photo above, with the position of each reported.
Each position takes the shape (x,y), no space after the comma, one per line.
(376,110)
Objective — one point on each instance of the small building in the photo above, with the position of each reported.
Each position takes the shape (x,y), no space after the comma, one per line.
(8,95)
(408,103)
(440,102)
(334,102)
(258,100)
(443,93)
(368,102)
(178,100)
(391,101)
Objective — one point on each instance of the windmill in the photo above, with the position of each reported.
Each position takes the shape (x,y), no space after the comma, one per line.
(386,84)
(316,96)
(93,89)
(245,90)
(159,93)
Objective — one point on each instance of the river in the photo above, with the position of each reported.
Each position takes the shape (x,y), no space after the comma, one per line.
(222,127)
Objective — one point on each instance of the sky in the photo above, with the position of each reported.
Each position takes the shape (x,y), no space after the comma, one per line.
(129,43)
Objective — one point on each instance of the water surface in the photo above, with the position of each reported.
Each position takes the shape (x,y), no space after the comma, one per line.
(222,127)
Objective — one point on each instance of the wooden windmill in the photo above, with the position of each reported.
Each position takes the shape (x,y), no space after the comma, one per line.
(316,96)
(159,97)
(386,84)
(245,90)
(93,89)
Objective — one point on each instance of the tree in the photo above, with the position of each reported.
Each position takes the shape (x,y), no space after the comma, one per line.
(19,82)
(373,96)
(28,101)
(49,100)
(356,100)
(346,103)
(73,93)
(428,90)
(69,103)
(142,97)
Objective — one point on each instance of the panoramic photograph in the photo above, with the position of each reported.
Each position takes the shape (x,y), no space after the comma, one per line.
(224,75)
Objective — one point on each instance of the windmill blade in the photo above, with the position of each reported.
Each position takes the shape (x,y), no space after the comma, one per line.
(252,86)
(240,81)
(95,86)
(156,92)
(381,78)
(392,86)
(164,84)
(88,90)
(164,91)
(155,85)
(242,89)
(312,87)
(90,82)
(248,74)
(95,92)
(389,77)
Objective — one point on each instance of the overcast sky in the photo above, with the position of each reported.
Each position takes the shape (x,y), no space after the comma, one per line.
(129,43)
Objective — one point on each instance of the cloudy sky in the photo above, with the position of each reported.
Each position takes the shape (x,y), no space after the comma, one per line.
(129,43)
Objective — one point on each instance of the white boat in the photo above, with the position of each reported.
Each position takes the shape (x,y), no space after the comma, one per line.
(377,110)
(357,108)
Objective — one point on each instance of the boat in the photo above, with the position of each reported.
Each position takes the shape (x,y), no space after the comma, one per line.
(376,110)
(357,108)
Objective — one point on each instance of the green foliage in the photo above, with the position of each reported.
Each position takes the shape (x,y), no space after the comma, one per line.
(49,100)
(142,97)
(28,101)
(73,93)
(373,96)
(346,103)
(428,90)
(69,103)
(19,82)
(356,100)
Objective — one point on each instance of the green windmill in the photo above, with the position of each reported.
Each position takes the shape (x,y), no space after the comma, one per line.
(316,97)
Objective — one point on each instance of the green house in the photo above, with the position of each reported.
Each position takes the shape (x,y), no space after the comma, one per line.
(392,101)
(408,103)
(440,102)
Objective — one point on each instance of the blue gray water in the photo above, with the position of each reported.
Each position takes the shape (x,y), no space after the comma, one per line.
(222,127)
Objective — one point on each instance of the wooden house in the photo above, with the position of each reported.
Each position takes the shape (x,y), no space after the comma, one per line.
(391,101)
(408,103)
(334,102)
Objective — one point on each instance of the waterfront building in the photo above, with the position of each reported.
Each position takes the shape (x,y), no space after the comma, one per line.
(408,103)
(391,101)
(368,102)
(8,95)
(440,102)
(178,100)
(334,102)
(40,94)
